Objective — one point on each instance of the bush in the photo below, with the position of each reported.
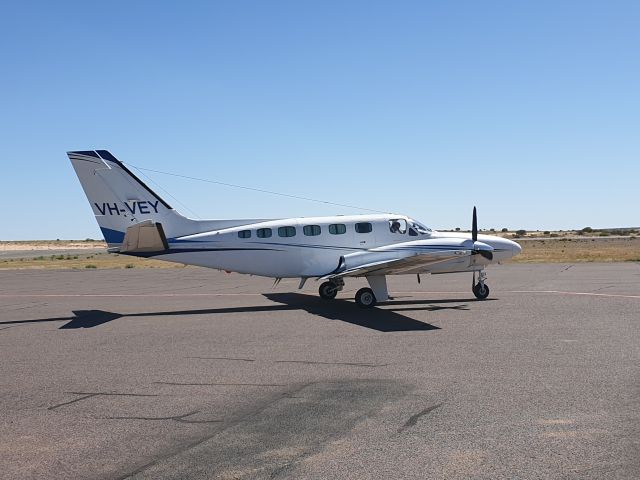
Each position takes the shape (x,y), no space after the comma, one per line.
(546,232)
(129,265)
(457,229)
(504,230)
(587,230)
(89,265)
(522,233)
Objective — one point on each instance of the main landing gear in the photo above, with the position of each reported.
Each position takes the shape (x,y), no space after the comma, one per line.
(365,297)
(329,290)
(480,289)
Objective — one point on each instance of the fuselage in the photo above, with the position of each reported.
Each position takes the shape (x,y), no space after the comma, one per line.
(313,246)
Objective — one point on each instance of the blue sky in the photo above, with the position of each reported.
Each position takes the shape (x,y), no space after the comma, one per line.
(529,110)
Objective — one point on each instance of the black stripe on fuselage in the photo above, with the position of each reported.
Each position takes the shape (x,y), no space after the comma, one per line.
(172,251)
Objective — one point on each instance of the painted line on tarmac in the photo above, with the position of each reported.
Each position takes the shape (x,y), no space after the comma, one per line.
(556,292)
(71,295)
(64,295)
(173,295)
(587,294)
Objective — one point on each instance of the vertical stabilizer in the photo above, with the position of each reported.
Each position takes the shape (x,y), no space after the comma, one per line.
(120,200)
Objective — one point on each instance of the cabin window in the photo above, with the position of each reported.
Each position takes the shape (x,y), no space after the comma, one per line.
(413,232)
(311,230)
(398,225)
(244,234)
(364,227)
(337,228)
(264,232)
(287,231)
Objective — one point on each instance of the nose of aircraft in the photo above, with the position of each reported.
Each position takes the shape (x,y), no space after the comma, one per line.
(515,248)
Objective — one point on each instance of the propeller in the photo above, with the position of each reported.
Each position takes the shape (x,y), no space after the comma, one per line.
(474,237)
(474,226)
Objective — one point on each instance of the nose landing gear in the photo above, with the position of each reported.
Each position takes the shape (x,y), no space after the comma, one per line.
(480,289)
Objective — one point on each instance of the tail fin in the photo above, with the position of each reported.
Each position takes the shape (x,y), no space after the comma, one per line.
(119,199)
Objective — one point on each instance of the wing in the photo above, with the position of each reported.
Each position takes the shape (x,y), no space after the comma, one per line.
(414,262)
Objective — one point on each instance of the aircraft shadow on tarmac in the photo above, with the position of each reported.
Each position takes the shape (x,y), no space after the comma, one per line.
(384,319)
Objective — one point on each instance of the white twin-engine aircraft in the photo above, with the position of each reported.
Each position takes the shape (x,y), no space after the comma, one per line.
(136,221)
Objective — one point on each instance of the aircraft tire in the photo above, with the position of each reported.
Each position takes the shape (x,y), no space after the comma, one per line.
(481,291)
(365,298)
(328,291)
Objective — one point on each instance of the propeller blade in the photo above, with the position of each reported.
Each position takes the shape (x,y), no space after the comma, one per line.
(474,226)
(486,254)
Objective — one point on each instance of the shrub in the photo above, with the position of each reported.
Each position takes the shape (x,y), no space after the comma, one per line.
(587,230)
(90,265)
(129,265)
(504,230)
(546,232)
(522,233)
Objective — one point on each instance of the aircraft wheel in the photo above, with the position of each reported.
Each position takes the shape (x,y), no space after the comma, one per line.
(328,291)
(481,291)
(365,298)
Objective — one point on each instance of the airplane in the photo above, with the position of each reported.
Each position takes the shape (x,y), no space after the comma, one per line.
(135,221)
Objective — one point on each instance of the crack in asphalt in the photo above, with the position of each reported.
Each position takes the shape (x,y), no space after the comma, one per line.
(177,418)
(223,384)
(413,419)
(225,358)
(353,364)
(86,395)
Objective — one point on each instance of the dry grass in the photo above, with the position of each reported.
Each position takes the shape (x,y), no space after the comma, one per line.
(571,250)
(51,245)
(549,250)
(82,261)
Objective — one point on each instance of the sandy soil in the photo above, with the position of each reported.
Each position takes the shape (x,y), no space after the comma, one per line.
(51,245)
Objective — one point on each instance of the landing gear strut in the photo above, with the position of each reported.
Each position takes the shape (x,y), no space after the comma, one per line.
(329,290)
(480,289)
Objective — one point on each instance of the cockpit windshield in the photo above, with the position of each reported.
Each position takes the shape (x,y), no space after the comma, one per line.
(419,227)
